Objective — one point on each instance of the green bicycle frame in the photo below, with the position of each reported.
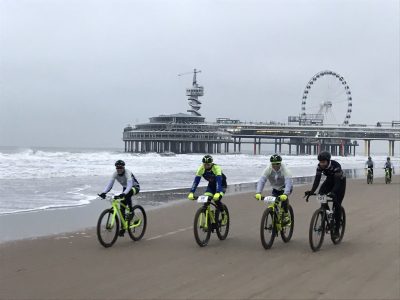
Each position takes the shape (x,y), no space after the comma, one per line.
(116,203)
(208,213)
(273,208)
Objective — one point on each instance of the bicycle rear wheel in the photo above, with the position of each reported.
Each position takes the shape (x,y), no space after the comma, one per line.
(223,223)
(107,228)
(317,229)
(287,231)
(137,225)
(202,227)
(267,228)
(341,228)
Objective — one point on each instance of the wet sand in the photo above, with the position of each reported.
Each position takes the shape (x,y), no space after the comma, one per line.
(168,264)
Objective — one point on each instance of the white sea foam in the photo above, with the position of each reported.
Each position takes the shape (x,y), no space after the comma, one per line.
(41,179)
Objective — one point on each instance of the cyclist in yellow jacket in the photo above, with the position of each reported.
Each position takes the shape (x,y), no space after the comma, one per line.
(216,181)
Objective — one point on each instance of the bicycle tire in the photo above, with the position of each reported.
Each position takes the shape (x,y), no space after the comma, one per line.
(107,213)
(198,228)
(286,238)
(223,236)
(267,228)
(134,232)
(318,216)
(342,228)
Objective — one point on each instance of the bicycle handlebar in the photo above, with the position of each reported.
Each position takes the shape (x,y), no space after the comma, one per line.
(197,197)
(110,197)
(308,196)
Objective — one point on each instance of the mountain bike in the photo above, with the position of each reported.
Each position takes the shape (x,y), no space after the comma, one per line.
(387,176)
(111,220)
(208,219)
(323,222)
(271,222)
(370,176)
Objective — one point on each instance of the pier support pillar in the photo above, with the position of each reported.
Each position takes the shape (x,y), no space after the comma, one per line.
(391,148)
(367,147)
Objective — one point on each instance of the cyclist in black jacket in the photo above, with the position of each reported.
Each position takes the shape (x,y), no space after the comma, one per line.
(334,185)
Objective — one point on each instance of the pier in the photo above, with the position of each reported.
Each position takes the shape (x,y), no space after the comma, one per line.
(228,138)
(305,134)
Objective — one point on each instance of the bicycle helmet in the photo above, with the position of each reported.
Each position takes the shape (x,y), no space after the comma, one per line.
(120,163)
(325,155)
(275,159)
(207,159)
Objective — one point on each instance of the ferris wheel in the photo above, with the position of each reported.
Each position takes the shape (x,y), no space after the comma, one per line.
(326,99)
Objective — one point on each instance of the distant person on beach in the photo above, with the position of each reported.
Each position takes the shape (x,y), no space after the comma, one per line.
(130,187)
(334,185)
(281,181)
(389,166)
(369,164)
(216,181)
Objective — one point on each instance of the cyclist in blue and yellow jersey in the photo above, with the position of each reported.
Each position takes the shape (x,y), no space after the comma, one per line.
(216,181)
(130,187)
(334,185)
(389,166)
(281,181)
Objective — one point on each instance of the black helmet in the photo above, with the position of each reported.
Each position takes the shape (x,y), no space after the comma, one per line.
(325,155)
(275,159)
(207,159)
(120,163)
(369,158)
(388,158)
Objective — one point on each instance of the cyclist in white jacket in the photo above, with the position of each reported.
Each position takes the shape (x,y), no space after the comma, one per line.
(281,181)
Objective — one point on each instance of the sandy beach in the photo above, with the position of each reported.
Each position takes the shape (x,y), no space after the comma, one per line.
(168,264)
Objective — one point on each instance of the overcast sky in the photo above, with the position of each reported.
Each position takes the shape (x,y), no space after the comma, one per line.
(75,73)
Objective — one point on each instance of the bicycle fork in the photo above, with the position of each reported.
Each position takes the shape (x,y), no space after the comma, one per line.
(276,219)
(208,216)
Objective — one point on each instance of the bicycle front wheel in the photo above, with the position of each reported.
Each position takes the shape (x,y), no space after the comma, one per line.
(202,227)
(267,228)
(107,228)
(317,229)
(337,240)
(223,223)
(287,231)
(137,225)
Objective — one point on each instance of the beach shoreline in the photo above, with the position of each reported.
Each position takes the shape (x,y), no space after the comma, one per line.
(168,264)
(49,222)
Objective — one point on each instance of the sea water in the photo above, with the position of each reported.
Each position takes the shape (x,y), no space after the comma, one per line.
(40,178)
